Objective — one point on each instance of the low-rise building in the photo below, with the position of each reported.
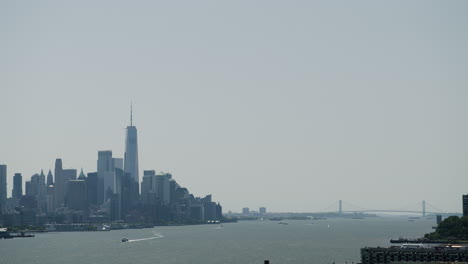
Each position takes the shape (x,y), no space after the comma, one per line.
(415,254)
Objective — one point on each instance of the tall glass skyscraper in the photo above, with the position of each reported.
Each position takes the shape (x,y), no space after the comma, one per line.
(3,185)
(131,158)
(17,191)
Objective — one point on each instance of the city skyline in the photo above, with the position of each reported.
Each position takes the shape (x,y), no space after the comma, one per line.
(287,106)
(111,163)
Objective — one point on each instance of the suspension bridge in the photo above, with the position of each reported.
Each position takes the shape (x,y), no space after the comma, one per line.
(346,207)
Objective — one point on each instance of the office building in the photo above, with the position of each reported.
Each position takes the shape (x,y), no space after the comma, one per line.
(41,186)
(50,179)
(161,187)
(105,171)
(32,186)
(92,188)
(115,207)
(131,159)
(69,175)
(245,211)
(60,184)
(17,191)
(415,254)
(210,208)
(118,175)
(147,185)
(3,185)
(155,188)
(50,199)
(126,193)
(262,211)
(76,195)
(465,204)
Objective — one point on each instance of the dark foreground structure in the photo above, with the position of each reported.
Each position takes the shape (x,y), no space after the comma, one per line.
(416,254)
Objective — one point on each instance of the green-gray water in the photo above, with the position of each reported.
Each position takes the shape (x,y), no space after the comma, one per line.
(322,241)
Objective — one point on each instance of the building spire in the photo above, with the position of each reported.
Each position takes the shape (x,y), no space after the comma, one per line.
(131,113)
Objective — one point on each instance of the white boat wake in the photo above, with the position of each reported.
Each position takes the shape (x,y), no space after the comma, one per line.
(156,235)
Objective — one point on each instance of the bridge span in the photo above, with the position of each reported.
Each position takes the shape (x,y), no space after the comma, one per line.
(389,211)
(359,209)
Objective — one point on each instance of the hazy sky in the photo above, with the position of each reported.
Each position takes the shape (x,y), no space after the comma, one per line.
(290,105)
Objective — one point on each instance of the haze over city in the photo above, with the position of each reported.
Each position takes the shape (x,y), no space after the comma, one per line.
(287,106)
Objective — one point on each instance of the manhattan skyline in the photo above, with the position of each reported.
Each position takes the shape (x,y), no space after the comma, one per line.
(292,114)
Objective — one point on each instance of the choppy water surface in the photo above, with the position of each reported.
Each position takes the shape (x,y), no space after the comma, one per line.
(322,241)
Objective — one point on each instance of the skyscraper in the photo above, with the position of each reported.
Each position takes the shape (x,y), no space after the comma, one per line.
(70,175)
(465,204)
(42,185)
(17,191)
(62,177)
(50,198)
(92,187)
(76,195)
(32,186)
(3,185)
(50,179)
(131,159)
(106,175)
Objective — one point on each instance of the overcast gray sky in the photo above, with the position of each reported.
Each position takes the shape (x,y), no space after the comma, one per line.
(290,105)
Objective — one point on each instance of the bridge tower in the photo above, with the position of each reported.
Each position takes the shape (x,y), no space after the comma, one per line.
(340,207)
(424,208)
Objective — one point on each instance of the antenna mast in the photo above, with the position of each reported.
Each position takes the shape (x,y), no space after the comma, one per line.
(131,113)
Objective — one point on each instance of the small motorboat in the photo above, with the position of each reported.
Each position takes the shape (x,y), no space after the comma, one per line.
(124,239)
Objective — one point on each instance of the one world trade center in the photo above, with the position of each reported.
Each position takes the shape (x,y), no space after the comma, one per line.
(131,159)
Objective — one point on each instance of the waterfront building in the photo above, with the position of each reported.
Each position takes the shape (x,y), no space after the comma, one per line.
(131,159)
(197,211)
(415,254)
(50,179)
(245,211)
(465,205)
(3,186)
(17,191)
(262,211)
(219,211)
(115,207)
(210,208)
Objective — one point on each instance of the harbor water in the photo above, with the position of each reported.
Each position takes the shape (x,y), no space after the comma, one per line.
(298,241)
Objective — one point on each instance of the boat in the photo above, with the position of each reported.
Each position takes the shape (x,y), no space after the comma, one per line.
(124,239)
